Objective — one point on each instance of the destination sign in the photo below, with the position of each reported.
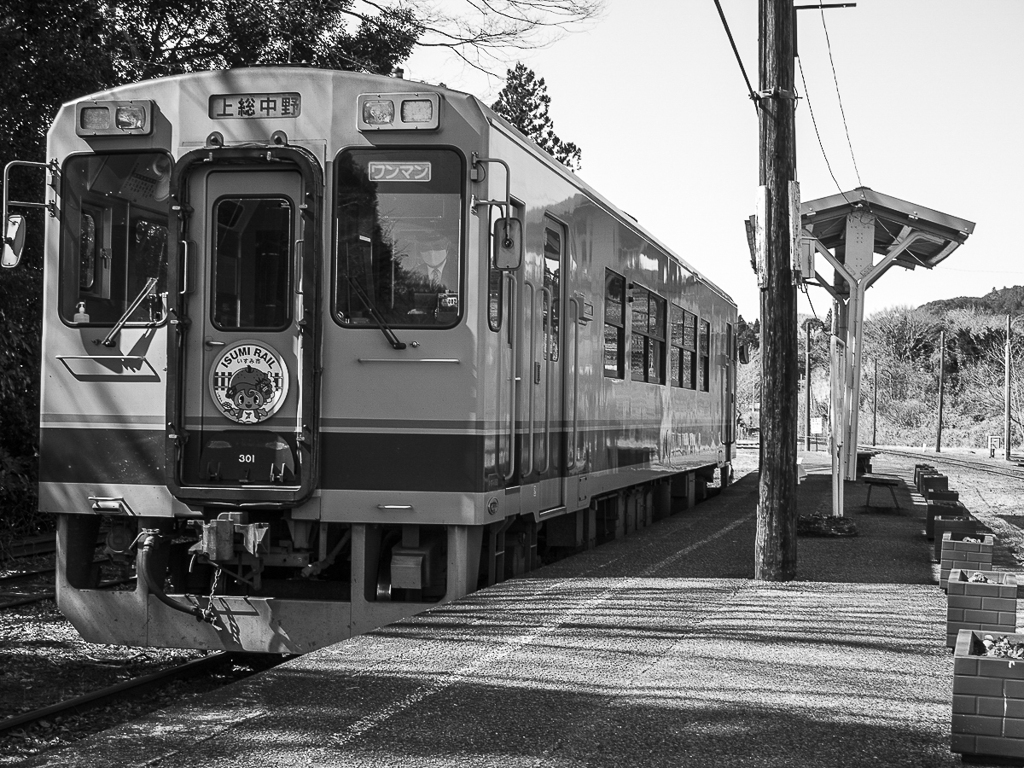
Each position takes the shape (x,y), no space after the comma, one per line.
(254,106)
(399,171)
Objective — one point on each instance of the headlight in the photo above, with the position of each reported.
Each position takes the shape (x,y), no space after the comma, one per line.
(399,111)
(114,118)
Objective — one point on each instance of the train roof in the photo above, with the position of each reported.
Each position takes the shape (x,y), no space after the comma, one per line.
(384,84)
(512,132)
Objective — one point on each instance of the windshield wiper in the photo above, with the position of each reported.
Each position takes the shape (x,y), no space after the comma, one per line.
(146,290)
(375,313)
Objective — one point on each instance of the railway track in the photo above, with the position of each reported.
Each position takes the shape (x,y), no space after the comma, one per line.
(10,578)
(957,461)
(33,546)
(13,600)
(134,687)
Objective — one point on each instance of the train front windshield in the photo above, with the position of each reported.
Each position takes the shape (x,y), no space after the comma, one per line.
(398,249)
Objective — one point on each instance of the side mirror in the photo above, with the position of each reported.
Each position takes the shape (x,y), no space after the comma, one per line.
(508,244)
(744,354)
(14,241)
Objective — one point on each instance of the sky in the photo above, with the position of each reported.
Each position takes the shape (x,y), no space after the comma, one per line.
(930,89)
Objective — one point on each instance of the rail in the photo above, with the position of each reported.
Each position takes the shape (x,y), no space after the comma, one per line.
(939,458)
(191,668)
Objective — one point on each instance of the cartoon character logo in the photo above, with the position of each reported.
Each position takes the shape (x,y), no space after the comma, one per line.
(249,382)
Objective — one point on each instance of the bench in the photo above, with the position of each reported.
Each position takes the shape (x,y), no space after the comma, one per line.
(882,481)
(864,461)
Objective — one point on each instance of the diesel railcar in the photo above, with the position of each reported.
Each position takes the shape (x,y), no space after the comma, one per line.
(324,349)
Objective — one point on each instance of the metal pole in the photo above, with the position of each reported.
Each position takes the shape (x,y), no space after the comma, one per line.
(874,407)
(807,385)
(1006,393)
(855,340)
(942,387)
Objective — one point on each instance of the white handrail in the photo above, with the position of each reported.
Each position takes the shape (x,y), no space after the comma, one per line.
(575,381)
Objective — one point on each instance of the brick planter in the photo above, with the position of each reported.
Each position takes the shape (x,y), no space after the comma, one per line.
(982,606)
(933,483)
(921,474)
(965,555)
(918,469)
(988,700)
(933,495)
(958,526)
(942,509)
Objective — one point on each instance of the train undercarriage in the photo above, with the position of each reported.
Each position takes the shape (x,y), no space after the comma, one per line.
(259,581)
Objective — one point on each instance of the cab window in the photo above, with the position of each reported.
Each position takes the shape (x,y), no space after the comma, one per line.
(251,254)
(398,253)
(114,237)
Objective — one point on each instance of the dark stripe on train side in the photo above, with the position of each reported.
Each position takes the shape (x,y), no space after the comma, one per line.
(366,461)
(75,455)
(362,461)
(349,461)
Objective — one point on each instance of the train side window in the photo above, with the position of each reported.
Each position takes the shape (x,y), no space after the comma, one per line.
(87,249)
(495,290)
(687,345)
(678,361)
(398,250)
(704,354)
(647,350)
(552,284)
(656,341)
(614,325)
(114,237)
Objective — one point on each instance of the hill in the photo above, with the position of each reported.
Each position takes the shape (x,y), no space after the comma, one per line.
(1002,301)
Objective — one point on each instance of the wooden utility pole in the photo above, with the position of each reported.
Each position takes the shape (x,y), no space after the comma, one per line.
(942,388)
(775,542)
(1006,393)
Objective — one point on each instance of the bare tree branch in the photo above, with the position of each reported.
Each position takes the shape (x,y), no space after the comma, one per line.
(486,34)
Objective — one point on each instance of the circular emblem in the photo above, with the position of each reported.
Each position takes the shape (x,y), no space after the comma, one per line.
(249,382)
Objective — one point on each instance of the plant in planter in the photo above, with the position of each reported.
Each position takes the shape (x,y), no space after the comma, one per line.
(825,525)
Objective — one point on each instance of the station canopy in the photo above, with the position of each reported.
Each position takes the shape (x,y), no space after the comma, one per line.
(895,220)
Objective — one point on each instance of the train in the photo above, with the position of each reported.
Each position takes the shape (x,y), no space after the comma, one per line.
(323,349)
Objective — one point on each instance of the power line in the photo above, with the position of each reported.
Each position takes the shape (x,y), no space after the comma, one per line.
(817,133)
(807,293)
(736,52)
(835,79)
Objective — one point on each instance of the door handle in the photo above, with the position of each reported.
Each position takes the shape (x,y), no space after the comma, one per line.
(211,343)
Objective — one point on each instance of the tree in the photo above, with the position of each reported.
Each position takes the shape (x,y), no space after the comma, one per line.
(480,32)
(156,37)
(748,334)
(525,103)
(52,52)
(150,38)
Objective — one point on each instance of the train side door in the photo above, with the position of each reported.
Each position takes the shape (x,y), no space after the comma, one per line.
(543,455)
(246,362)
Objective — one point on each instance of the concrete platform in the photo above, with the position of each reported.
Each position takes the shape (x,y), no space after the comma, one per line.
(655,650)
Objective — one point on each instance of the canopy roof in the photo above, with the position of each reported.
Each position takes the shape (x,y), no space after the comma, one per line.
(895,219)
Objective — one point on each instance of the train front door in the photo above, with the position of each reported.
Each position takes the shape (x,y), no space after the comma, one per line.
(246,369)
(543,456)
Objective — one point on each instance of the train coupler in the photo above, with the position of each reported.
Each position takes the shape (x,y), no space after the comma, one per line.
(231,533)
